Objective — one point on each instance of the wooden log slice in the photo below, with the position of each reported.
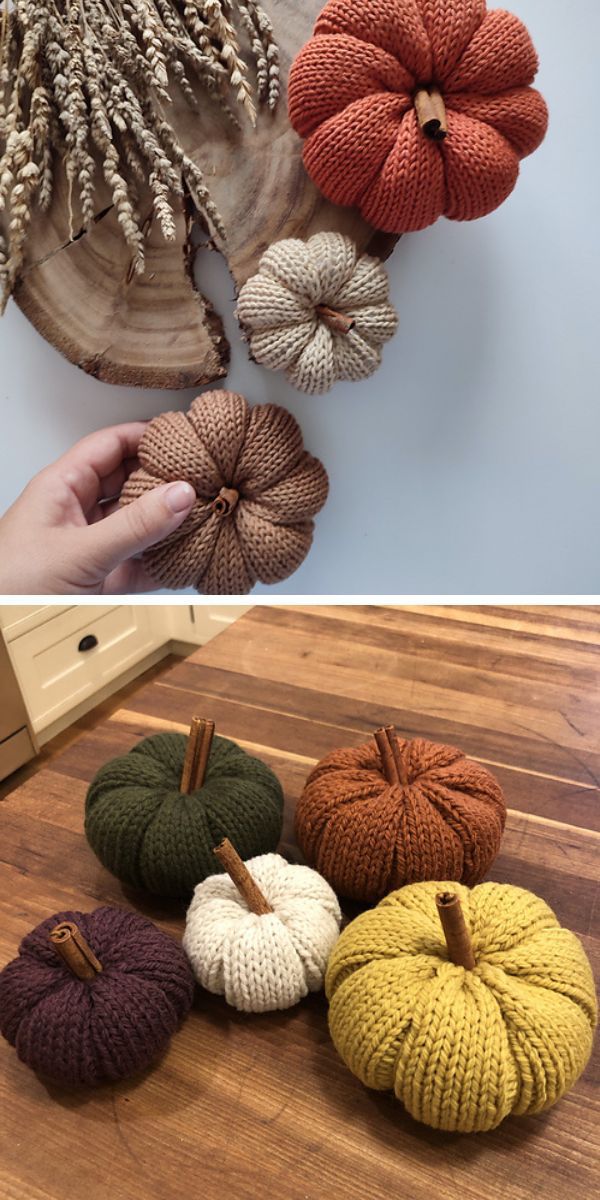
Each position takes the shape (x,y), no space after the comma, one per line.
(157,330)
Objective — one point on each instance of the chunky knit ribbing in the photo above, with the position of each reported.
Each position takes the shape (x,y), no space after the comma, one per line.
(367,836)
(279,308)
(82,1032)
(273,489)
(266,962)
(352,96)
(463,1048)
(151,836)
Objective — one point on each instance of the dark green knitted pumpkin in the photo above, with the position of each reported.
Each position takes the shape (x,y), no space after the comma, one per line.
(151,836)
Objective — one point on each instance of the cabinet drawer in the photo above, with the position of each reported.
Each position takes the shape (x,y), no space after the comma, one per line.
(73,656)
(17,619)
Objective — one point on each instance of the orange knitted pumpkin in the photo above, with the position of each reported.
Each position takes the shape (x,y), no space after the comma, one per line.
(377,816)
(416,109)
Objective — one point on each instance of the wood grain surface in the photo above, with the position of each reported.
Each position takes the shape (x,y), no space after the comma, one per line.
(158,330)
(257,1106)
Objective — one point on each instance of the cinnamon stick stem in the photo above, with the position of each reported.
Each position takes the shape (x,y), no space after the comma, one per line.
(225,502)
(398,755)
(240,875)
(458,938)
(431,113)
(394,767)
(196,755)
(338,322)
(388,761)
(69,942)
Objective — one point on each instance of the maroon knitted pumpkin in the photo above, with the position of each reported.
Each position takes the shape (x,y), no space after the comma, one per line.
(105,1026)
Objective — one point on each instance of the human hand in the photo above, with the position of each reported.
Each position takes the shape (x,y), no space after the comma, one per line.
(66,533)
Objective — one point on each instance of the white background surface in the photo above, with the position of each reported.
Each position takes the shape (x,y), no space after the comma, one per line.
(469,463)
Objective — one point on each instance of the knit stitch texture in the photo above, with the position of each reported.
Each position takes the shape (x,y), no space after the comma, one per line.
(278,307)
(260,963)
(367,836)
(151,836)
(85,1032)
(462,1049)
(352,92)
(273,488)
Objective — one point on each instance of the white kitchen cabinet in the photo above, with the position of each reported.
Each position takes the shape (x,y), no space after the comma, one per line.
(68,658)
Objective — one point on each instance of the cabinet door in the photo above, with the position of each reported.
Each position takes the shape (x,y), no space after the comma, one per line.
(13,714)
(16,742)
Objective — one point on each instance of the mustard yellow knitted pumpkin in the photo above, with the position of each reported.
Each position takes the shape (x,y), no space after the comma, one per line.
(462,1047)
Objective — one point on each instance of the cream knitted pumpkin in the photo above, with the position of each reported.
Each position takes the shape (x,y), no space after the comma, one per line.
(268,960)
(318,311)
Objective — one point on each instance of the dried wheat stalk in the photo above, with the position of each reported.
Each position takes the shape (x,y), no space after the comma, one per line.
(91,80)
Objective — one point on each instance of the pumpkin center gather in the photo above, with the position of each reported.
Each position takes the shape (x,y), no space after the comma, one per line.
(224,504)
(431,112)
(336,321)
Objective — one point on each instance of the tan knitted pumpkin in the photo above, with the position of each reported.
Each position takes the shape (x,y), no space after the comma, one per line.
(257,493)
(317,310)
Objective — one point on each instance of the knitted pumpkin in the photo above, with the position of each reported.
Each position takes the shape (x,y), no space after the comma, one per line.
(93,997)
(318,310)
(155,831)
(490,1014)
(414,109)
(257,493)
(261,938)
(391,812)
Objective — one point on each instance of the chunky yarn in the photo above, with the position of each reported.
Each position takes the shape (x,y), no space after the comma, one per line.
(257,490)
(86,1032)
(463,1048)
(152,836)
(440,816)
(269,961)
(414,109)
(318,310)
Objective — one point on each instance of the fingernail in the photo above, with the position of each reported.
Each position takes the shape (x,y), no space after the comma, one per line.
(180,496)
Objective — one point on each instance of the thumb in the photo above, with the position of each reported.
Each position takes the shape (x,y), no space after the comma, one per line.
(140,524)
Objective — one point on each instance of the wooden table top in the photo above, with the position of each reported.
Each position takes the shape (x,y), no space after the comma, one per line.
(253,1106)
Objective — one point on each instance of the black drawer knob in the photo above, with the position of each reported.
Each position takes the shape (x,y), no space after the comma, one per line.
(89,642)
